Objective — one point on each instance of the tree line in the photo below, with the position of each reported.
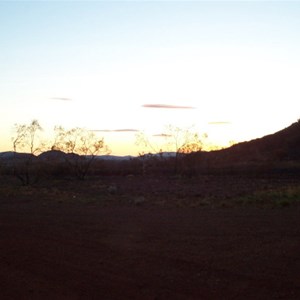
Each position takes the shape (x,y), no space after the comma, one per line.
(82,146)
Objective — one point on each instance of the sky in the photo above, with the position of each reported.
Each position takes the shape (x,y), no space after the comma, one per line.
(228,69)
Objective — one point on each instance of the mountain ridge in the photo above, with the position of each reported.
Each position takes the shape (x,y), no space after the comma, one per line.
(281,145)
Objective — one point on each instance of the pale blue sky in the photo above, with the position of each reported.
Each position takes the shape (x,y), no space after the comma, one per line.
(95,64)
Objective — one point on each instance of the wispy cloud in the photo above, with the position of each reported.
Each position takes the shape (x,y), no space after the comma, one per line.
(219,123)
(164,135)
(116,130)
(61,99)
(167,106)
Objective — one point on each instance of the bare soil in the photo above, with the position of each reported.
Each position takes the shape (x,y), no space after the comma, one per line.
(110,239)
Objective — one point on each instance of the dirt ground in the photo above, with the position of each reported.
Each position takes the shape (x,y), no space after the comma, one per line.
(83,250)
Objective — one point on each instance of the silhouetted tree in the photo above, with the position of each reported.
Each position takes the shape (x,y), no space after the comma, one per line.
(26,140)
(81,145)
(180,141)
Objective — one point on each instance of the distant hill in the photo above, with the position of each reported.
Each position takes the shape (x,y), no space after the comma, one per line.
(16,155)
(283,145)
(9,158)
(52,155)
(114,157)
(56,155)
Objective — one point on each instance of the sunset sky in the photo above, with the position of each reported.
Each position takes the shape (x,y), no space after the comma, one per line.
(228,69)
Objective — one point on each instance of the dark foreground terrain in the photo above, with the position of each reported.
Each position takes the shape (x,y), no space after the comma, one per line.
(110,239)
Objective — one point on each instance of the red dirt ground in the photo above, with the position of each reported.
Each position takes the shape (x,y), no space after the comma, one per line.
(75,250)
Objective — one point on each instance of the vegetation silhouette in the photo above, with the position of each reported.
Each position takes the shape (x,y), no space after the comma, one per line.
(82,146)
(26,139)
(80,153)
(72,150)
(179,141)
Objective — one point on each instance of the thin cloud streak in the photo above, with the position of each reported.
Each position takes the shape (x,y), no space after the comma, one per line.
(219,123)
(61,99)
(167,106)
(162,135)
(116,130)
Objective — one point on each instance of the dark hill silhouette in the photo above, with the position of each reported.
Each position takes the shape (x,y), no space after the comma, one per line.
(56,156)
(15,155)
(10,158)
(283,145)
